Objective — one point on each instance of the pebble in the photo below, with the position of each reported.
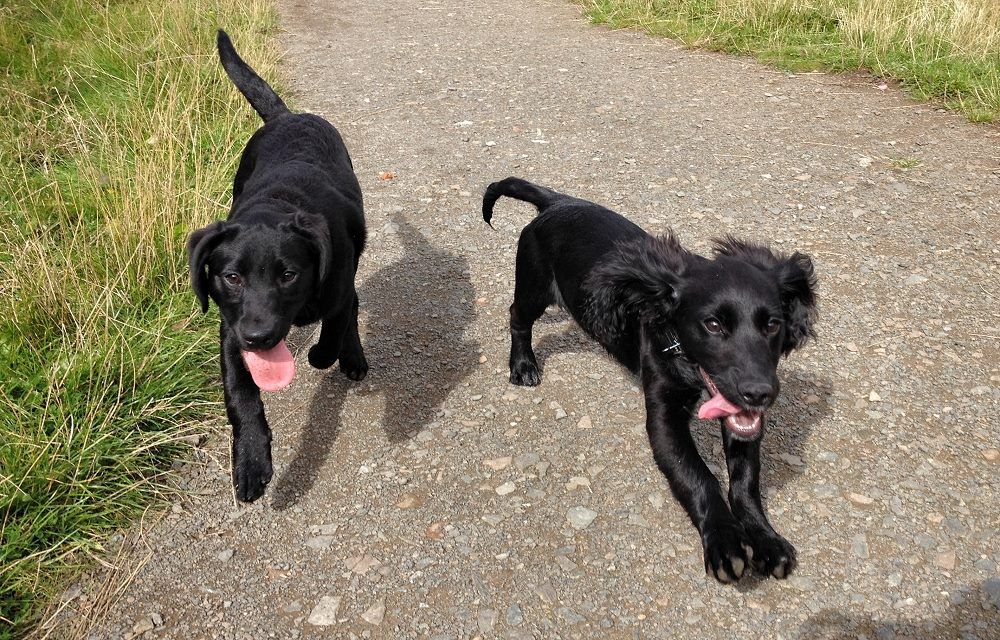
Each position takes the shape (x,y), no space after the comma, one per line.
(514,615)
(859,546)
(225,555)
(860,500)
(506,488)
(361,564)
(580,517)
(526,460)
(946,560)
(375,613)
(486,619)
(325,612)
(560,413)
(498,464)
(576,482)
(991,454)
(584,422)
(319,542)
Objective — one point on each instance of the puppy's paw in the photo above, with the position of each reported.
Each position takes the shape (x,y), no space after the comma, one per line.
(321,358)
(354,367)
(252,471)
(727,552)
(772,555)
(525,373)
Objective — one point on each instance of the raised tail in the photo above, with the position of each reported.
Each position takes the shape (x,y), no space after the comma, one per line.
(519,189)
(258,93)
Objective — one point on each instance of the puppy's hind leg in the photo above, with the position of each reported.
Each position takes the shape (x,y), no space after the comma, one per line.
(338,339)
(532,294)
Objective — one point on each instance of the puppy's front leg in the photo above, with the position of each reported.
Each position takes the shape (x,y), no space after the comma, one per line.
(251,435)
(668,417)
(772,554)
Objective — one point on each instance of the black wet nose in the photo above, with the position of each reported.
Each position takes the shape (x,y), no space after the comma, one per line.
(257,338)
(758,394)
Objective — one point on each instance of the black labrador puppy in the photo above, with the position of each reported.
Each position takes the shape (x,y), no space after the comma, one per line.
(684,324)
(287,255)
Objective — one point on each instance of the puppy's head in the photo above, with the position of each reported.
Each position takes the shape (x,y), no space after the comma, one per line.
(260,276)
(734,315)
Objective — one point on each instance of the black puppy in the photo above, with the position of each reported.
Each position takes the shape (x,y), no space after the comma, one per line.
(287,255)
(683,323)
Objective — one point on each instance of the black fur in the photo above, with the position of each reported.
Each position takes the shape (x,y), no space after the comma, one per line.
(733,315)
(286,255)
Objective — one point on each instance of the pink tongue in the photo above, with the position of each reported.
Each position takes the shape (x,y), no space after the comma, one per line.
(272,369)
(717,407)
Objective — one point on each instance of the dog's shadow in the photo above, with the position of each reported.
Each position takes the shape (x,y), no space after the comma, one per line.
(418,310)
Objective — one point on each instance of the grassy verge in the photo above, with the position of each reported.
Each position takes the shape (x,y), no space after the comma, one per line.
(120,136)
(939,49)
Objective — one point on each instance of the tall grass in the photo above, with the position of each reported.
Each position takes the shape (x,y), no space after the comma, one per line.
(939,49)
(120,135)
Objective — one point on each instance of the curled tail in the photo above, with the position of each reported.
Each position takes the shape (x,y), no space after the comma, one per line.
(519,189)
(258,93)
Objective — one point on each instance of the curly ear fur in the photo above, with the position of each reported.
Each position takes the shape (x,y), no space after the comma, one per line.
(317,231)
(796,279)
(199,247)
(639,279)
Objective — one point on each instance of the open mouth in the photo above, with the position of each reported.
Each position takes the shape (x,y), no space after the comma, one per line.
(271,369)
(742,422)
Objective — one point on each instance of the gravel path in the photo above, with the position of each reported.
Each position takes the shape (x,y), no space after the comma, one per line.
(434,500)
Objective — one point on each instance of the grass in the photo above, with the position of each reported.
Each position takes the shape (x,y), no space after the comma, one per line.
(120,136)
(947,50)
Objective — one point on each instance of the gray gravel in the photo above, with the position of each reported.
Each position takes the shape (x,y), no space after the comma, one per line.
(434,500)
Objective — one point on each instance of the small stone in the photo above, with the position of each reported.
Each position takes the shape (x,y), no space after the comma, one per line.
(580,517)
(506,488)
(486,619)
(560,413)
(860,500)
(292,607)
(225,555)
(812,398)
(874,397)
(576,482)
(584,422)
(156,619)
(946,560)
(325,612)
(375,613)
(859,546)
(410,501)
(570,616)
(526,460)
(656,499)
(324,529)
(915,279)
(514,615)
(361,564)
(498,463)
(319,542)
(435,531)
(143,625)
(482,359)
(991,454)
(792,460)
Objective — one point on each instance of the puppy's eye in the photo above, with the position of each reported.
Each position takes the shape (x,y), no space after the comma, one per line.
(233,279)
(288,277)
(773,326)
(713,326)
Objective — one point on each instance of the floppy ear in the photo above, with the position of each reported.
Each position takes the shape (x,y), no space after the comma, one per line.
(199,247)
(640,279)
(317,231)
(797,280)
(796,283)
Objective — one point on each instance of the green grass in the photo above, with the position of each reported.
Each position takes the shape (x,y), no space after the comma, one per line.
(120,136)
(947,50)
